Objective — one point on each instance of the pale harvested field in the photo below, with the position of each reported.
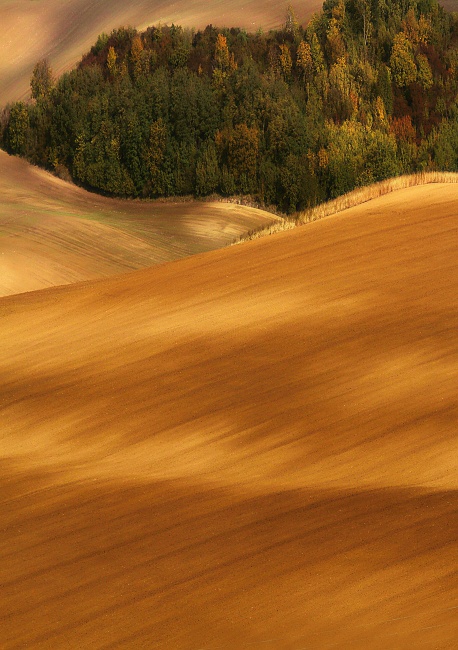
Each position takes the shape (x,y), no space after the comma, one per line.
(52,232)
(251,448)
(62,30)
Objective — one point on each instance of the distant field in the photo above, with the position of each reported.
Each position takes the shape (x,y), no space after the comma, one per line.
(247,449)
(52,232)
(62,30)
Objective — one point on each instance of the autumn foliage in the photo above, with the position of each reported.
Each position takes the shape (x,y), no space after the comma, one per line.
(365,91)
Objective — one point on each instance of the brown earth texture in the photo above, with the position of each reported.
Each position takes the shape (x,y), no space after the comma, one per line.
(62,30)
(251,448)
(52,232)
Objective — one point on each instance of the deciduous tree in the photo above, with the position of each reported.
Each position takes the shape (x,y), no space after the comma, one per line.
(402,61)
(42,80)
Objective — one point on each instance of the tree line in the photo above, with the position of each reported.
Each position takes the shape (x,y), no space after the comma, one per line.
(366,90)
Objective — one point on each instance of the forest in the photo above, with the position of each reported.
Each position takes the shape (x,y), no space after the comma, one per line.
(367,90)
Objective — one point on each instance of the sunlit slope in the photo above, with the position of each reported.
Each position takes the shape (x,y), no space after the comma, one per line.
(251,448)
(52,232)
(62,30)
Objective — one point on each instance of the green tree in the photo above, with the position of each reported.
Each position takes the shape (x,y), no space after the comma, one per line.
(445,146)
(383,87)
(342,96)
(243,156)
(42,80)
(317,54)
(425,75)
(402,61)
(18,127)
(155,156)
(132,148)
(207,171)
(358,156)
(364,10)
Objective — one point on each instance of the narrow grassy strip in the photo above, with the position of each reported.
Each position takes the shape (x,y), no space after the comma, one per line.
(350,200)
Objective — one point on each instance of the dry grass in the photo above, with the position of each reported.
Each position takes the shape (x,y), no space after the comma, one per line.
(350,200)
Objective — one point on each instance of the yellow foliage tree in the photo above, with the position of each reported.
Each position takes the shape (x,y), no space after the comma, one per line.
(380,117)
(111,60)
(402,62)
(304,59)
(136,55)
(225,61)
(335,41)
(285,60)
(222,53)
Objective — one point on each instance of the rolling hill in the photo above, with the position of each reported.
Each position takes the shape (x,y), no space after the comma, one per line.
(63,30)
(52,232)
(249,448)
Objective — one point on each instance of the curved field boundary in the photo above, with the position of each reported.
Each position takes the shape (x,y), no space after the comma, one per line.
(62,30)
(250,449)
(53,232)
(350,200)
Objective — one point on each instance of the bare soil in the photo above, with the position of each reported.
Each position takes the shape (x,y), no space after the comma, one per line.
(250,448)
(52,232)
(62,30)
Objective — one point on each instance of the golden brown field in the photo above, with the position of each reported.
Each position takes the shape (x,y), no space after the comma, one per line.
(52,232)
(250,448)
(62,30)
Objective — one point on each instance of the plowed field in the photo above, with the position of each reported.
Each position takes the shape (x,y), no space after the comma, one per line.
(250,448)
(62,30)
(52,232)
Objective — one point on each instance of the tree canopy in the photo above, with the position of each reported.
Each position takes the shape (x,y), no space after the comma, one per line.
(291,117)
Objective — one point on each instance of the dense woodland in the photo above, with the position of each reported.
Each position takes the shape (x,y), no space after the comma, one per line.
(367,90)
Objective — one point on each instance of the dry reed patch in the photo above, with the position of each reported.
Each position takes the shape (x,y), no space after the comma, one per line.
(350,200)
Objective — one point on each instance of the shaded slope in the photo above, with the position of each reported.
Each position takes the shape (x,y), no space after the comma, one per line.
(253,448)
(52,232)
(62,30)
